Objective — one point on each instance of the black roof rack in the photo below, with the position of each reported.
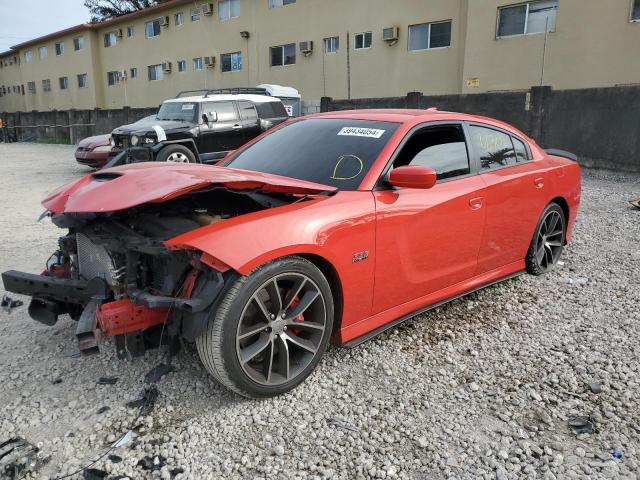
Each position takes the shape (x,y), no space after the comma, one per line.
(228,91)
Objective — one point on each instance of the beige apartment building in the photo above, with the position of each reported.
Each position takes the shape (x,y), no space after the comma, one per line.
(334,48)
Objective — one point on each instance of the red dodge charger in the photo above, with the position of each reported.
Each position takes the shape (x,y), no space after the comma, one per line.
(337,225)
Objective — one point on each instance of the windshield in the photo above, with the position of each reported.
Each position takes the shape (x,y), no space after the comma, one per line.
(336,152)
(178,111)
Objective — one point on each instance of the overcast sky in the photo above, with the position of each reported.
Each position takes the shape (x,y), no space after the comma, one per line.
(23,20)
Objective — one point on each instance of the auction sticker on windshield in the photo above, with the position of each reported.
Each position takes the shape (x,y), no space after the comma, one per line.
(361,132)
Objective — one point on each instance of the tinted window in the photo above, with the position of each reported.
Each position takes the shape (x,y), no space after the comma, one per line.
(225,110)
(247,112)
(441,148)
(335,152)
(522,154)
(271,110)
(494,148)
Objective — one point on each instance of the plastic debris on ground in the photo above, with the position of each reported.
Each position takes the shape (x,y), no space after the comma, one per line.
(156,373)
(8,303)
(581,424)
(123,440)
(107,380)
(146,402)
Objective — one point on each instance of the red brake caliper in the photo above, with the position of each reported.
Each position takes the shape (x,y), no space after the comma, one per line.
(299,318)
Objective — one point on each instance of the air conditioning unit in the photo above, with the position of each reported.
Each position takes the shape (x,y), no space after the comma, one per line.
(123,74)
(210,62)
(164,21)
(119,33)
(306,47)
(390,34)
(166,67)
(207,8)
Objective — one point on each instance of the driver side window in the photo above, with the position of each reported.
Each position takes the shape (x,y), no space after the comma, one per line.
(441,147)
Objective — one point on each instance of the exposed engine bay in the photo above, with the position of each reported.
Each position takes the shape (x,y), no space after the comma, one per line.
(113,273)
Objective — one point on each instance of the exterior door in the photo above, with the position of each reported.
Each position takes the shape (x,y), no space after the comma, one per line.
(223,135)
(249,119)
(515,195)
(427,240)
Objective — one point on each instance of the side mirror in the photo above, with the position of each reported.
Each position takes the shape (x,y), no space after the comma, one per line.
(210,118)
(413,177)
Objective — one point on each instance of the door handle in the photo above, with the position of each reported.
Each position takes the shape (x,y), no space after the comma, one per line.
(538,182)
(236,127)
(476,203)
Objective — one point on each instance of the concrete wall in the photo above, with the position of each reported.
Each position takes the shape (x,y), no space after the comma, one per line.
(600,125)
(69,126)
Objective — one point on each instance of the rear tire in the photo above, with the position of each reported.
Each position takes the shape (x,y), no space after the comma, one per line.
(270,330)
(176,154)
(548,241)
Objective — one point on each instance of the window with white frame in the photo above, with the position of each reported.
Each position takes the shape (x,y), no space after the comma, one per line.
(133,72)
(113,78)
(182,66)
(31,87)
(280,3)
(527,18)
(110,39)
(82,81)
(198,63)
(131,31)
(283,55)
(63,82)
(430,35)
(331,44)
(78,43)
(46,85)
(59,48)
(155,72)
(228,9)
(195,14)
(28,56)
(43,52)
(179,19)
(152,28)
(363,40)
(231,62)
(635,10)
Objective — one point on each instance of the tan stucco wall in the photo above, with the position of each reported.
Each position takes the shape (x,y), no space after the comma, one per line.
(591,46)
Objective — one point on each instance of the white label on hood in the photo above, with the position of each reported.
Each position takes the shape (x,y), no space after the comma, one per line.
(160,132)
(361,132)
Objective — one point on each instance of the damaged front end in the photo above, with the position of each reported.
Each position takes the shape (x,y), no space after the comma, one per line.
(116,277)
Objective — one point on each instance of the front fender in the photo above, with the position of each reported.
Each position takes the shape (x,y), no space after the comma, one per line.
(340,229)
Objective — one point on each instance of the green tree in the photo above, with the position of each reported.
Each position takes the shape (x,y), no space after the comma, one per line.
(105,9)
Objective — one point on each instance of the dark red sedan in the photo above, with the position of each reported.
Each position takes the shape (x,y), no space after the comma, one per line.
(336,225)
(95,151)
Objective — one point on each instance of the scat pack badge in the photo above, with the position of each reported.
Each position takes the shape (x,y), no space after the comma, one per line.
(360,256)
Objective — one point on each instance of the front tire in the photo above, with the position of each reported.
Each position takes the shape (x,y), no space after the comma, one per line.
(548,241)
(270,330)
(176,154)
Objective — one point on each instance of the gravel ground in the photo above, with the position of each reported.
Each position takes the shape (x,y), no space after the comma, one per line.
(481,388)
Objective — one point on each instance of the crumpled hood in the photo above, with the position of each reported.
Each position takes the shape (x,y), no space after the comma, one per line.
(120,188)
(146,125)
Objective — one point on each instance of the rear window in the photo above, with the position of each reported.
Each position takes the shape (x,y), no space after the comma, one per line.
(271,110)
(336,152)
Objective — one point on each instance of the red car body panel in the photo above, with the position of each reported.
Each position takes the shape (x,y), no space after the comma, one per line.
(393,251)
(125,187)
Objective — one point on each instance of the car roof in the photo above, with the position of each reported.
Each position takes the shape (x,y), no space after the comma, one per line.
(225,97)
(414,116)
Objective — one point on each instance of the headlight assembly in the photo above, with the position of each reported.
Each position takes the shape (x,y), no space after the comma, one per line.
(134,140)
